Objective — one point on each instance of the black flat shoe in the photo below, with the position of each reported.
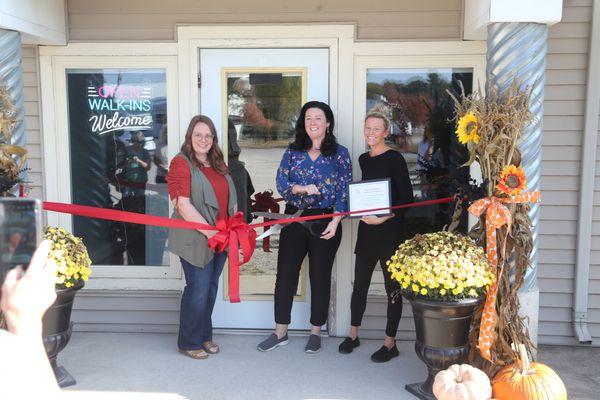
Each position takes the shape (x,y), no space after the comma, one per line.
(348,345)
(384,354)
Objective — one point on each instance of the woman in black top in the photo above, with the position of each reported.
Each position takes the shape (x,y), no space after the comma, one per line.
(378,237)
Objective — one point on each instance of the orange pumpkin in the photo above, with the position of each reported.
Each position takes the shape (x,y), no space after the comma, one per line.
(526,380)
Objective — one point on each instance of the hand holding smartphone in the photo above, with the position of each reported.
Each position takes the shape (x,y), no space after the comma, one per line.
(20,232)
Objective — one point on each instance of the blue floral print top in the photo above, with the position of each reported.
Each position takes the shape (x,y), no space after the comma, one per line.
(331,175)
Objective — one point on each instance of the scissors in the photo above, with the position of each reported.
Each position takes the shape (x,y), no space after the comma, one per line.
(274,229)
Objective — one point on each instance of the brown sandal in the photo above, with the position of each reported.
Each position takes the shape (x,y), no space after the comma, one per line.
(199,354)
(211,347)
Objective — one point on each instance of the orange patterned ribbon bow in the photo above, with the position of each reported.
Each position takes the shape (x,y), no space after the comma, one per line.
(496,216)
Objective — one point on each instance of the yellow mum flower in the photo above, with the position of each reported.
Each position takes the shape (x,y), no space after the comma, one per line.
(467,129)
(441,264)
(70,255)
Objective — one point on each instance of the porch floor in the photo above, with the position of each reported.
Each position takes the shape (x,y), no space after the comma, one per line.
(147,366)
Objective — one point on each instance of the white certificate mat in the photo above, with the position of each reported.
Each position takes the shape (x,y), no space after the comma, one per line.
(367,195)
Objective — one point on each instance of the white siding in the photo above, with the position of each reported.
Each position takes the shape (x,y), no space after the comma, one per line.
(133,311)
(564,107)
(32,119)
(91,20)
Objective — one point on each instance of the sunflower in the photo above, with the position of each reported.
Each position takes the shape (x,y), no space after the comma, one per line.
(512,180)
(467,129)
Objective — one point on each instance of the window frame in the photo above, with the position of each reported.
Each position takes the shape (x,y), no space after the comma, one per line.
(54,64)
(409,55)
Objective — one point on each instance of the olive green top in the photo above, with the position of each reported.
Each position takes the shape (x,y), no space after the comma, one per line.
(190,244)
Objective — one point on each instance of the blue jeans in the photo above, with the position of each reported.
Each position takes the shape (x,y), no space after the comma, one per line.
(198,301)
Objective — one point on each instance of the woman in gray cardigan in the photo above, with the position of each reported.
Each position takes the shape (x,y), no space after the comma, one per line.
(202,191)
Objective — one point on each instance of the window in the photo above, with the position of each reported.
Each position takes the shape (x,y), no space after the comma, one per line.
(422,129)
(117,124)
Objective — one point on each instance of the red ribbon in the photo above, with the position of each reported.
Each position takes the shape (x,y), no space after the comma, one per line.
(234,233)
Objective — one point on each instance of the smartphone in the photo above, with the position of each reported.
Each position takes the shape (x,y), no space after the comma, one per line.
(20,232)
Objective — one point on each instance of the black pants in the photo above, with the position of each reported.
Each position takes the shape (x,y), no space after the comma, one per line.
(295,242)
(363,271)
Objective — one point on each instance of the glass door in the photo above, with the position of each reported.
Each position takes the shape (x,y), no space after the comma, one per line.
(260,93)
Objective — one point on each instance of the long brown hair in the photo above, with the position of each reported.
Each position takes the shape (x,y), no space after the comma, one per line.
(215,155)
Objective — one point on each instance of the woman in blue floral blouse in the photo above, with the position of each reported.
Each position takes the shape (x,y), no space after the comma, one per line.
(313,176)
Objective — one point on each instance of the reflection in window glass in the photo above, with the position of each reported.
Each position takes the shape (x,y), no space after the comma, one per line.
(423,131)
(262,108)
(118,149)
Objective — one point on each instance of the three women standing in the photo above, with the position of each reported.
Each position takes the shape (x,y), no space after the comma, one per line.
(313,176)
(378,237)
(202,191)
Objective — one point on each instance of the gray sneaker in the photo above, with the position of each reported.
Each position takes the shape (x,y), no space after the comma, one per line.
(272,342)
(313,345)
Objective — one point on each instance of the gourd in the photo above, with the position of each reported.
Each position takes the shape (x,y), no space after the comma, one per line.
(525,380)
(462,382)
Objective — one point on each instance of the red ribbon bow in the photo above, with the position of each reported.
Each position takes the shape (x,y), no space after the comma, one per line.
(234,233)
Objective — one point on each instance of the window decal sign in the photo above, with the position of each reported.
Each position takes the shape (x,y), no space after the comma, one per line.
(115,107)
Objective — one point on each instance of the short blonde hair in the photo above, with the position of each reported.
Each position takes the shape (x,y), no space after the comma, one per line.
(382,112)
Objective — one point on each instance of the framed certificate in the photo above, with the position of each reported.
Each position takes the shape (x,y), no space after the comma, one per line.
(367,195)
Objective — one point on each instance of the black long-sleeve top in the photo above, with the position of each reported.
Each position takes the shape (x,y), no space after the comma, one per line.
(380,241)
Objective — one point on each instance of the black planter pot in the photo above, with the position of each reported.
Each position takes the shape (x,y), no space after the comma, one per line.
(442,337)
(57,328)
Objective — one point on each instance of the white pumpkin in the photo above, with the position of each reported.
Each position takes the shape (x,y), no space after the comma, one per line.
(462,382)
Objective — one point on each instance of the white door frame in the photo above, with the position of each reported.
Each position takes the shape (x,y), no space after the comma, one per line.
(339,39)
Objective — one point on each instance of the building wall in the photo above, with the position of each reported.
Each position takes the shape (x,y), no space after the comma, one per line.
(29,54)
(91,20)
(568,48)
(564,109)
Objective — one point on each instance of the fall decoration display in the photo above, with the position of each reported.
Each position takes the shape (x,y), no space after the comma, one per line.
(73,270)
(9,169)
(462,382)
(71,257)
(441,266)
(526,380)
(504,226)
(444,275)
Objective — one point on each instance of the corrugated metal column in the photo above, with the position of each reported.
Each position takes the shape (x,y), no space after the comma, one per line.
(11,74)
(518,50)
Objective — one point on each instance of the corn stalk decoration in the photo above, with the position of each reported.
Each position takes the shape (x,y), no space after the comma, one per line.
(491,127)
(9,168)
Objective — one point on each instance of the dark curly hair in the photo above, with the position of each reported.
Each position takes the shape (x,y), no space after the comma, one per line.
(303,142)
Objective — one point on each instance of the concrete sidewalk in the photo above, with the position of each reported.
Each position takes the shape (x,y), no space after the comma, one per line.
(147,366)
